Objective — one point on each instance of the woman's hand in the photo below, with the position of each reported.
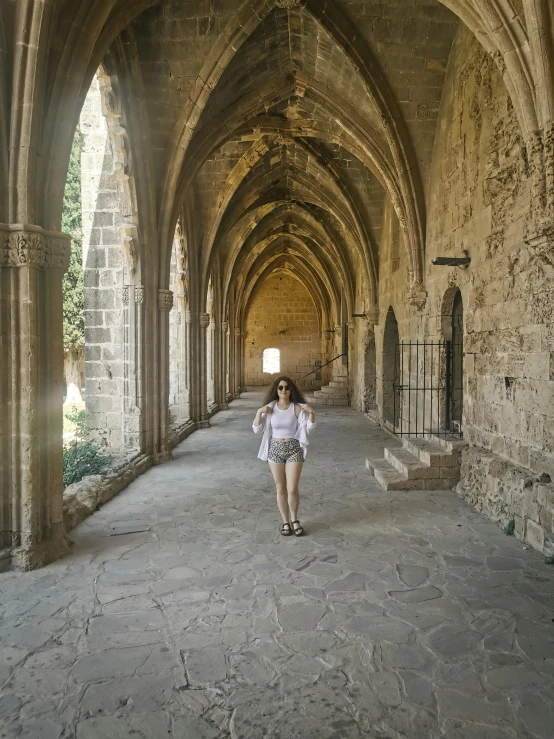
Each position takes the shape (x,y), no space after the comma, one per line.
(265,409)
(307,408)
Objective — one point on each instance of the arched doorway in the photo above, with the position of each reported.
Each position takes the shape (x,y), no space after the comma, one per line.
(453,333)
(391,369)
(457,370)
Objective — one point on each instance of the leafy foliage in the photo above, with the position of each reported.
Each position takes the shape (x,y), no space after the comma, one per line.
(81,457)
(510,528)
(77,418)
(73,313)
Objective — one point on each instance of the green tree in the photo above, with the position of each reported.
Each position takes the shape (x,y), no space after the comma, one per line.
(73,309)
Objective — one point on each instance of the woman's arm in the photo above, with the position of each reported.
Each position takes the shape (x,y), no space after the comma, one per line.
(258,424)
(311,416)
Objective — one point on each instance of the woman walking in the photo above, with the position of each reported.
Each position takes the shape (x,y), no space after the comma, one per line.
(286,420)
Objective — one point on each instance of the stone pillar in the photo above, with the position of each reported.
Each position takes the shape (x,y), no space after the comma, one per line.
(133,310)
(32,263)
(223,382)
(165,304)
(238,359)
(203,324)
(211,363)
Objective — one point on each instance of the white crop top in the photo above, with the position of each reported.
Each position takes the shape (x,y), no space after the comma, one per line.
(284,424)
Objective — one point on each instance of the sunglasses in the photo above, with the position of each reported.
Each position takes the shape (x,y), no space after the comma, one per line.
(283,388)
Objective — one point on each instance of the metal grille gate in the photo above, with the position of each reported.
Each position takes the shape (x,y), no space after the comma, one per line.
(428,388)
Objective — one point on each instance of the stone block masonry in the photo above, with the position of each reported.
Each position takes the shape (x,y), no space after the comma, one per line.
(282,316)
(104,293)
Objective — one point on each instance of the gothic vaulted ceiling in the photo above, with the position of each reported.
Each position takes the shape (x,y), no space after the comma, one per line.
(311,115)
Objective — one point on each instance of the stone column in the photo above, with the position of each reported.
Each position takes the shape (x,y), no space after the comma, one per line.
(165,304)
(212,346)
(223,383)
(238,359)
(32,263)
(133,309)
(203,324)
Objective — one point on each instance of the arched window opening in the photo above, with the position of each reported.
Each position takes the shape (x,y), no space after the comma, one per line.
(179,328)
(391,371)
(210,346)
(271,361)
(113,294)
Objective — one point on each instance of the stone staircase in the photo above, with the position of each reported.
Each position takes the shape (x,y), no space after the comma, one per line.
(335,393)
(430,463)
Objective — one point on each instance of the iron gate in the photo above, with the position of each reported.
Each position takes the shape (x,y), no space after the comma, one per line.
(428,389)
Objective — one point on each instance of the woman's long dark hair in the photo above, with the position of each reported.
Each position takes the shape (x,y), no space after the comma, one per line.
(295,394)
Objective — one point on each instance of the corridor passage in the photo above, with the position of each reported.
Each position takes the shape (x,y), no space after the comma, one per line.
(182,613)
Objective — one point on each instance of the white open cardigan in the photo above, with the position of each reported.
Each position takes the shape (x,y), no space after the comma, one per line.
(305,427)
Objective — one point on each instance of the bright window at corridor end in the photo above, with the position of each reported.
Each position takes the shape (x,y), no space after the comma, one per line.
(271,361)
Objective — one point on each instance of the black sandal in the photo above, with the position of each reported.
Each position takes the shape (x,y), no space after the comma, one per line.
(285,531)
(297,531)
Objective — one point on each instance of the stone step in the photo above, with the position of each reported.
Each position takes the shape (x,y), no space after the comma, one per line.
(410,467)
(340,380)
(338,401)
(388,477)
(391,479)
(335,392)
(335,383)
(429,452)
(325,394)
(450,444)
(310,399)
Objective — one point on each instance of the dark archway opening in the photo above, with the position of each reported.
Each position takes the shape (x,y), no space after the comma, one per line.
(457,395)
(391,369)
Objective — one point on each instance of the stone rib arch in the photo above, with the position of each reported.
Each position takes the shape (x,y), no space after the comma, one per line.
(79,40)
(413,221)
(362,239)
(271,247)
(330,240)
(319,237)
(374,157)
(286,249)
(300,271)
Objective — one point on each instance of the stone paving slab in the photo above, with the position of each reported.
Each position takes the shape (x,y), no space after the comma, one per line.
(182,613)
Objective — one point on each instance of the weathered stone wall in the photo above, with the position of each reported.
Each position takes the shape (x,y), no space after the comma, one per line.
(103,279)
(393,279)
(282,316)
(480,201)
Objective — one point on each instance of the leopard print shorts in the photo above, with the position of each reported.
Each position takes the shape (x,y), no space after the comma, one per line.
(282,451)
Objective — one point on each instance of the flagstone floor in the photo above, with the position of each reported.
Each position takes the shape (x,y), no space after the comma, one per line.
(182,612)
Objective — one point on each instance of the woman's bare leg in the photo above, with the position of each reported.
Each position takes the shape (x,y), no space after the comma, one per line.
(278,472)
(292,473)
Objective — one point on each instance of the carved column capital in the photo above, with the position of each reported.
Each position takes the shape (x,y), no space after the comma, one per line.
(204,320)
(31,246)
(125,295)
(139,294)
(26,249)
(188,316)
(224,327)
(57,251)
(237,332)
(165,299)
